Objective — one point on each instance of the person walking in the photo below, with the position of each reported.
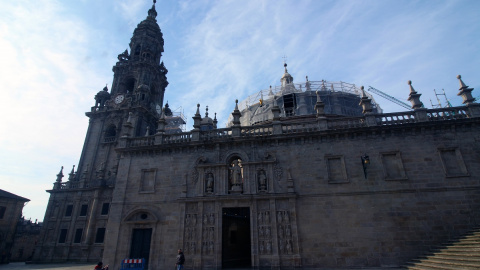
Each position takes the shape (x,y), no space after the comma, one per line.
(180,260)
(99,266)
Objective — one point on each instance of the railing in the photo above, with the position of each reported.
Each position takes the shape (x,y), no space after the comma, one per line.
(256,131)
(141,141)
(387,119)
(346,123)
(109,139)
(308,125)
(177,138)
(300,127)
(215,134)
(449,113)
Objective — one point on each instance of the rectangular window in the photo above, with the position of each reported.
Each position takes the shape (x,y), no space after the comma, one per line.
(63,236)
(78,236)
(147,183)
(393,166)
(100,235)
(453,163)
(83,210)
(2,211)
(105,208)
(68,211)
(336,170)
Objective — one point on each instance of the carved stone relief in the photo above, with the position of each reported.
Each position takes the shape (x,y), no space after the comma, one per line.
(264,232)
(191,228)
(208,235)
(284,230)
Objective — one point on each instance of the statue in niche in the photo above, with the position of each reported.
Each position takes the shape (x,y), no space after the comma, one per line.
(260,218)
(267,232)
(210,182)
(288,231)
(236,176)
(267,217)
(281,247)
(280,231)
(211,219)
(210,248)
(210,234)
(260,232)
(286,217)
(262,180)
(279,217)
(269,247)
(289,247)
(187,220)
(193,247)
(261,247)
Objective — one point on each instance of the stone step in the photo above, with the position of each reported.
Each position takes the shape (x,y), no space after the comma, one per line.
(430,264)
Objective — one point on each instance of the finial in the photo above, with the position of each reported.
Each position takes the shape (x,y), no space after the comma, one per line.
(198,110)
(236,104)
(152,13)
(215,118)
(318,96)
(411,87)
(285,65)
(105,88)
(363,91)
(306,78)
(206,111)
(60,175)
(462,84)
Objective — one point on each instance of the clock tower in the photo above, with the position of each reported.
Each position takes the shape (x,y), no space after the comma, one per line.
(136,96)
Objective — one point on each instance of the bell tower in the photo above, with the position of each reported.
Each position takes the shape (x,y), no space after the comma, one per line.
(136,97)
(140,76)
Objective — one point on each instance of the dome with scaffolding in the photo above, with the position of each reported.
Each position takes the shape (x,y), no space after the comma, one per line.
(341,99)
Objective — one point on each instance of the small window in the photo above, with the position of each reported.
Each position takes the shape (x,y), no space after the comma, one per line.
(111,131)
(2,211)
(100,235)
(78,236)
(105,208)
(68,211)
(83,210)
(63,236)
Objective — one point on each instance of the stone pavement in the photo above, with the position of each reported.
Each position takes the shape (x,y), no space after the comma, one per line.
(72,266)
(64,266)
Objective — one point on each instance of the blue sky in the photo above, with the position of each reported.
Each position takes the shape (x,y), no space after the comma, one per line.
(56,55)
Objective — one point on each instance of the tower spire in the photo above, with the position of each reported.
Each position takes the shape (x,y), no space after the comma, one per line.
(152,13)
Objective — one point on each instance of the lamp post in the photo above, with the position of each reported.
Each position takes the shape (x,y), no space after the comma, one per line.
(365,163)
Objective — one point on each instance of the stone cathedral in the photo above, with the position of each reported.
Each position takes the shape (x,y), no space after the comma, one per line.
(307,175)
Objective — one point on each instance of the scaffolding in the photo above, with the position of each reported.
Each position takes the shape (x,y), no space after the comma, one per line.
(295,99)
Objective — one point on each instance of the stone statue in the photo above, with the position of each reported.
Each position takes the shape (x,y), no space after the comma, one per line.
(288,231)
(262,180)
(279,217)
(236,173)
(261,247)
(269,247)
(289,247)
(209,182)
(267,231)
(187,220)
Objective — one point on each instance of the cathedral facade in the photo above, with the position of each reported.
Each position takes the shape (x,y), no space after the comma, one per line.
(299,188)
